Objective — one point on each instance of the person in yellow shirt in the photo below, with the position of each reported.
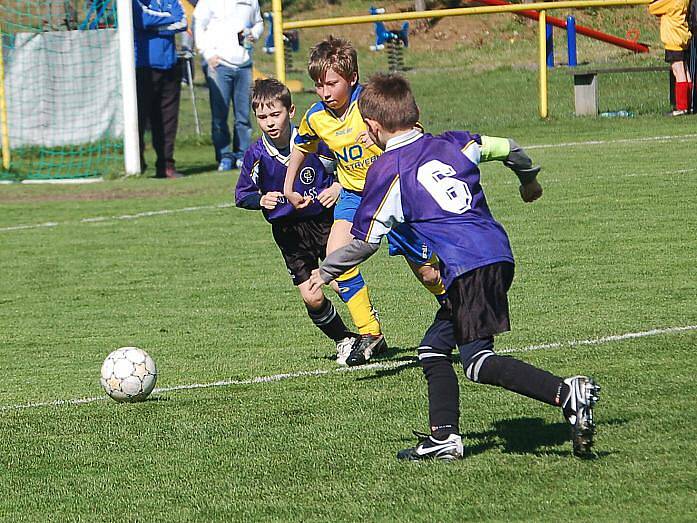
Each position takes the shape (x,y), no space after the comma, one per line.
(336,120)
(675,35)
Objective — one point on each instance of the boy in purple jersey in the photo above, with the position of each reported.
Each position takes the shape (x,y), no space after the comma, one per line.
(301,235)
(432,183)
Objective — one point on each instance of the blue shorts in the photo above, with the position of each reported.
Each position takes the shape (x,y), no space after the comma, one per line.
(402,240)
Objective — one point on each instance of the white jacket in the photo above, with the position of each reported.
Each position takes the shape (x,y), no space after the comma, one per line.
(217,23)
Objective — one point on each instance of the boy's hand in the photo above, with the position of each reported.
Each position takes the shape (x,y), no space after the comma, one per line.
(270,199)
(330,195)
(316,281)
(297,200)
(364,139)
(531,191)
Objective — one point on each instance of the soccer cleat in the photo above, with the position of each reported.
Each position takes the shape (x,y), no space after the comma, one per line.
(578,410)
(431,448)
(343,348)
(226,164)
(365,347)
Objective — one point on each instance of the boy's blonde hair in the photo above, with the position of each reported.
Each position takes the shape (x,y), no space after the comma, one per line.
(387,99)
(268,91)
(336,54)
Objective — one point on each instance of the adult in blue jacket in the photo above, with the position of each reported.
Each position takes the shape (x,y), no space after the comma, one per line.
(158,78)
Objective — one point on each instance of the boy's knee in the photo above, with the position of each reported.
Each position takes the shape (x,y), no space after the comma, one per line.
(429,275)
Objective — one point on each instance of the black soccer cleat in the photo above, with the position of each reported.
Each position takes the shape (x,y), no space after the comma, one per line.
(428,448)
(365,347)
(577,407)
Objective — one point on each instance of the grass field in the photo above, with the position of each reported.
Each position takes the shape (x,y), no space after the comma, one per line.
(604,286)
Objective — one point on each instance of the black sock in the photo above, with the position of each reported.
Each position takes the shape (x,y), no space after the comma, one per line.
(523,378)
(327,319)
(443,392)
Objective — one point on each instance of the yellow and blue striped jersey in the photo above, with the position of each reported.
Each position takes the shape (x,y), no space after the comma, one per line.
(353,159)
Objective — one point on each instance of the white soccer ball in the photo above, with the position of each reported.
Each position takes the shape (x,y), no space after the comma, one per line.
(128,374)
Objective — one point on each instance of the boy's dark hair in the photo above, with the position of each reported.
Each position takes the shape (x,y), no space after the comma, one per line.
(387,99)
(268,91)
(336,54)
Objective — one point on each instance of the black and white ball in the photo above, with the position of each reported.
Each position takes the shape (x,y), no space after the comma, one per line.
(128,374)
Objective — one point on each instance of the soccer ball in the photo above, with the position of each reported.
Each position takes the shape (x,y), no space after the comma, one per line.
(128,374)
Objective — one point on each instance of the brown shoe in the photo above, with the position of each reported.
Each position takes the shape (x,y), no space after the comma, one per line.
(169,173)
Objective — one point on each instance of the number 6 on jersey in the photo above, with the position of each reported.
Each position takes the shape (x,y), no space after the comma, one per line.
(451,194)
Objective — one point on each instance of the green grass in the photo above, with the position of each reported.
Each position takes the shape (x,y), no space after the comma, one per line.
(608,250)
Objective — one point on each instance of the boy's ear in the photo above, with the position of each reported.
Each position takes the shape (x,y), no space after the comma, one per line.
(354,79)
(372,126)
(291,111)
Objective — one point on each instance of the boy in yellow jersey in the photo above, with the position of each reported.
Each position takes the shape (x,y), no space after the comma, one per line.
(335,120)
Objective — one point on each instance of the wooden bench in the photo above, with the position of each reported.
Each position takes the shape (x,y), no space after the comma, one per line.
(586,85)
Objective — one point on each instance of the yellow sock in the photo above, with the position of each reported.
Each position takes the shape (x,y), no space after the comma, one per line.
(354,294)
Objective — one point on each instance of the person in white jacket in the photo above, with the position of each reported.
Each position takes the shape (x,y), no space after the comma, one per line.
(225,31)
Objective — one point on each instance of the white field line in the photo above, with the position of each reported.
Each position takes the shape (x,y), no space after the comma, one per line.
(679,138)
(374,366)
(106,219)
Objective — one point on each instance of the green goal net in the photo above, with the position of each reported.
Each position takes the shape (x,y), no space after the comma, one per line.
(61,102)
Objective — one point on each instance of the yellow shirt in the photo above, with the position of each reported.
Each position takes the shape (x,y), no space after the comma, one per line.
(675,33)
(353,159)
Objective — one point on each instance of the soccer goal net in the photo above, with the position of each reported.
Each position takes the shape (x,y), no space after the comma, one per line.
(61,102)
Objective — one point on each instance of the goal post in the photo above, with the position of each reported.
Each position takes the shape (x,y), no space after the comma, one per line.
(131,147)
(69,89)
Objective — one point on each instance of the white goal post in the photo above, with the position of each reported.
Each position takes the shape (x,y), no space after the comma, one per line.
(131,147)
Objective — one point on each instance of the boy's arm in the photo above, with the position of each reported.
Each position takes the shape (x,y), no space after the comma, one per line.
(341,260)
(297,158)
(247,192)
(514,157)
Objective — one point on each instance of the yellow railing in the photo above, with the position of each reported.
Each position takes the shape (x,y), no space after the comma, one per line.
(4,131)
(279,26)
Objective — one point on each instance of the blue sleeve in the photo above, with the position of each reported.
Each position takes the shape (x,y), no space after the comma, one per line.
(247,184)
(145,18)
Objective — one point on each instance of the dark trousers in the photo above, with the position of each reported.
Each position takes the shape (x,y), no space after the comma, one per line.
(158,104)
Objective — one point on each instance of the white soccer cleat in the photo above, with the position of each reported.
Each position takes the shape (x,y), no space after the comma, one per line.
(343,349)
(577,407)
(431,448)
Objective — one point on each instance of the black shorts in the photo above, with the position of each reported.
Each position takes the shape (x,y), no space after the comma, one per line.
(674,56)
(479,302)
(303,243)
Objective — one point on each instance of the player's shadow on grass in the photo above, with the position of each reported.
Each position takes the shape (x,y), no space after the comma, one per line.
(524,436)
(198,169)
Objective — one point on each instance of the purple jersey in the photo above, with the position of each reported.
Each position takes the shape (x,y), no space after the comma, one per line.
(432,184)
(264,170)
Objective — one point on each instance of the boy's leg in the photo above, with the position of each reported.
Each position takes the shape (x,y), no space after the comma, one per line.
(322,313)
(434,354)
(301,245)
(352,289)
(480,310)
(429,275)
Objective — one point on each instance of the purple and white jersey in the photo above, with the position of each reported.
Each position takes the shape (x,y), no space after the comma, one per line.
(432,184)
(264,170)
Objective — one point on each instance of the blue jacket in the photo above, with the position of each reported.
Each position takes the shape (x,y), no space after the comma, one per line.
(155,23)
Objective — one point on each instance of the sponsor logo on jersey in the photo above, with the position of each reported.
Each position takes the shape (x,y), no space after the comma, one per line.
(307,175)
(342,132)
